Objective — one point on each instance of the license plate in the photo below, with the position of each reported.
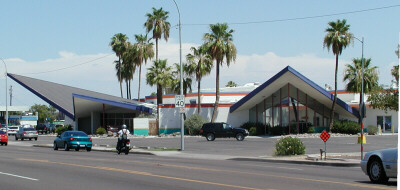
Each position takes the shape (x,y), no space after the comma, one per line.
(82,145)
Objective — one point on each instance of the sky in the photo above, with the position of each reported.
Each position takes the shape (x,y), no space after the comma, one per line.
(67,42)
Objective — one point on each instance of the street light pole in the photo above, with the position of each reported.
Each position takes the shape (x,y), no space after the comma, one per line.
(181,82)
(362,104)
(6,97)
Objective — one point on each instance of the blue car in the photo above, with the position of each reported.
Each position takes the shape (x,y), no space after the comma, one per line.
(73,139)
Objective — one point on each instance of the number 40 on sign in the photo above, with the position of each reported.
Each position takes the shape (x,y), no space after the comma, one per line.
(179,101)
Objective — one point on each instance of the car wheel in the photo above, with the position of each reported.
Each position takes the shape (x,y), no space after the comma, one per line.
(55,146)
(22,139)
(210,137)
(376,172)
(30,139)
(16,138)
(76,149)
(239,136)
(6,144)
(66,148)
(35,138)
(88,149)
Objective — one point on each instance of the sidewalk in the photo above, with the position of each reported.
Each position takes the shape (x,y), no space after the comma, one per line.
(333,159)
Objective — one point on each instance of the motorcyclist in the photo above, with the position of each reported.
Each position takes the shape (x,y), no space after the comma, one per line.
(123,135)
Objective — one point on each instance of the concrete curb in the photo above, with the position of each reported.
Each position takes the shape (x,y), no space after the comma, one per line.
(318,163)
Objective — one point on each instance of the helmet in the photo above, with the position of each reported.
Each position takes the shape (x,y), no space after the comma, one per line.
(123,126)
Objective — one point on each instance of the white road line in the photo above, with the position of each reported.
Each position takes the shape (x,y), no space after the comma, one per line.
(23,177)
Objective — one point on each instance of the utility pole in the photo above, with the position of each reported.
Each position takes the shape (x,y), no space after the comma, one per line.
(10,95)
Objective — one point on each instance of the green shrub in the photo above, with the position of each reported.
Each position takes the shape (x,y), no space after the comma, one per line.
(289,146)
(60,130)
(253,131)
(372,130)
(100,131)
(193,124)
(311,130)
(259,128)
(346,127)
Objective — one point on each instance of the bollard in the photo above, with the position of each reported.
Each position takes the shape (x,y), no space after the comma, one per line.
(321,151)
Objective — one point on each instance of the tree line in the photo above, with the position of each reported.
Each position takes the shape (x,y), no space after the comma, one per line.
(218,49)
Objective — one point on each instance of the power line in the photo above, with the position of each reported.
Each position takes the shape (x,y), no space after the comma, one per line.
(302,18)
(86,62)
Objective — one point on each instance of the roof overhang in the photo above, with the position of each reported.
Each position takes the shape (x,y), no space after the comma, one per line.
(289,75)
(85,105)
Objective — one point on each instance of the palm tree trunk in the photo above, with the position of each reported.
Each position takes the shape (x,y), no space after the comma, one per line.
(198,96)
(335,96)
(119,72)
(159,94)
(127,89)
(214,116)
(140,74)
(156,49)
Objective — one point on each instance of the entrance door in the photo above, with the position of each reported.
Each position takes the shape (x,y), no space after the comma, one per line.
(385,123)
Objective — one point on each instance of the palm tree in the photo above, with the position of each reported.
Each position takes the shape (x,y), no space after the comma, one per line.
(186,77)
(144,52)
(129,64)
(219,45)
(353,74)
(395,73)
(231,84)
(118,44)
(159,74)
(337,38)
(202,64)
(158,23)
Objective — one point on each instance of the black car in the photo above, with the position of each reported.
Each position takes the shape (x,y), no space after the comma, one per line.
(216,130)
(41,128)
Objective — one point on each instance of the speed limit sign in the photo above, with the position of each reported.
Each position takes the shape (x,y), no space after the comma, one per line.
(179,101)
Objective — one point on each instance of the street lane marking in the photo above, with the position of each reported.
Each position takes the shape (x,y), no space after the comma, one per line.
(143,173)
(23,177)
(257,174)
(287,168)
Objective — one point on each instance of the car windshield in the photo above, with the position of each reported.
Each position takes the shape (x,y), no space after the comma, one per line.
(77,133)
(2,133)
(13,127)
(29,129)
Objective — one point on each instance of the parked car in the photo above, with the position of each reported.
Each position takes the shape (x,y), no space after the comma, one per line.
(3,138)
(73,139)
(26,133)
(217,130)
(380,165)
(12,130)
(113,129)
(52,128)
(41,128)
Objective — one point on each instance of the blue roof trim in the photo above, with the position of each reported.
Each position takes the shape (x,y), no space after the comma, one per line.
(305,79)
(71,115)
(127,105)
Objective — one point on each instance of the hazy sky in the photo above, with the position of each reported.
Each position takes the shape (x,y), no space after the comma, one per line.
(67,42)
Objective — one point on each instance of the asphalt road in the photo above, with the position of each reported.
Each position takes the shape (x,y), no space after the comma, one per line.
(25,167)
(251,146)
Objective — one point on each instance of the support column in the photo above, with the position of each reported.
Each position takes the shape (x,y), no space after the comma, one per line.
(288,95)
(265,119)
(272,110)
(298,111)
(280,107)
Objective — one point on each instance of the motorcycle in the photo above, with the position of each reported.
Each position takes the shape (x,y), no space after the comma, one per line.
(125,146)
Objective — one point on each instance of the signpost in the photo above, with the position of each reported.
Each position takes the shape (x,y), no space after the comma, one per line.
(324,136)
(179,101)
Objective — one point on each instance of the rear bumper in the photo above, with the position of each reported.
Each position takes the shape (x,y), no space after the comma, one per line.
(4,140)
(80,144)
(30,136)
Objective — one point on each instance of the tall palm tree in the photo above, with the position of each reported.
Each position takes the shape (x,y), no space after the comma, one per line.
(159,24)
(118,44)
(144,52)
(202,64)
(186,77)
(337,38)
(129,64)
(160,75)
(231,84)
(219,46)
(395,73)
(353,75)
